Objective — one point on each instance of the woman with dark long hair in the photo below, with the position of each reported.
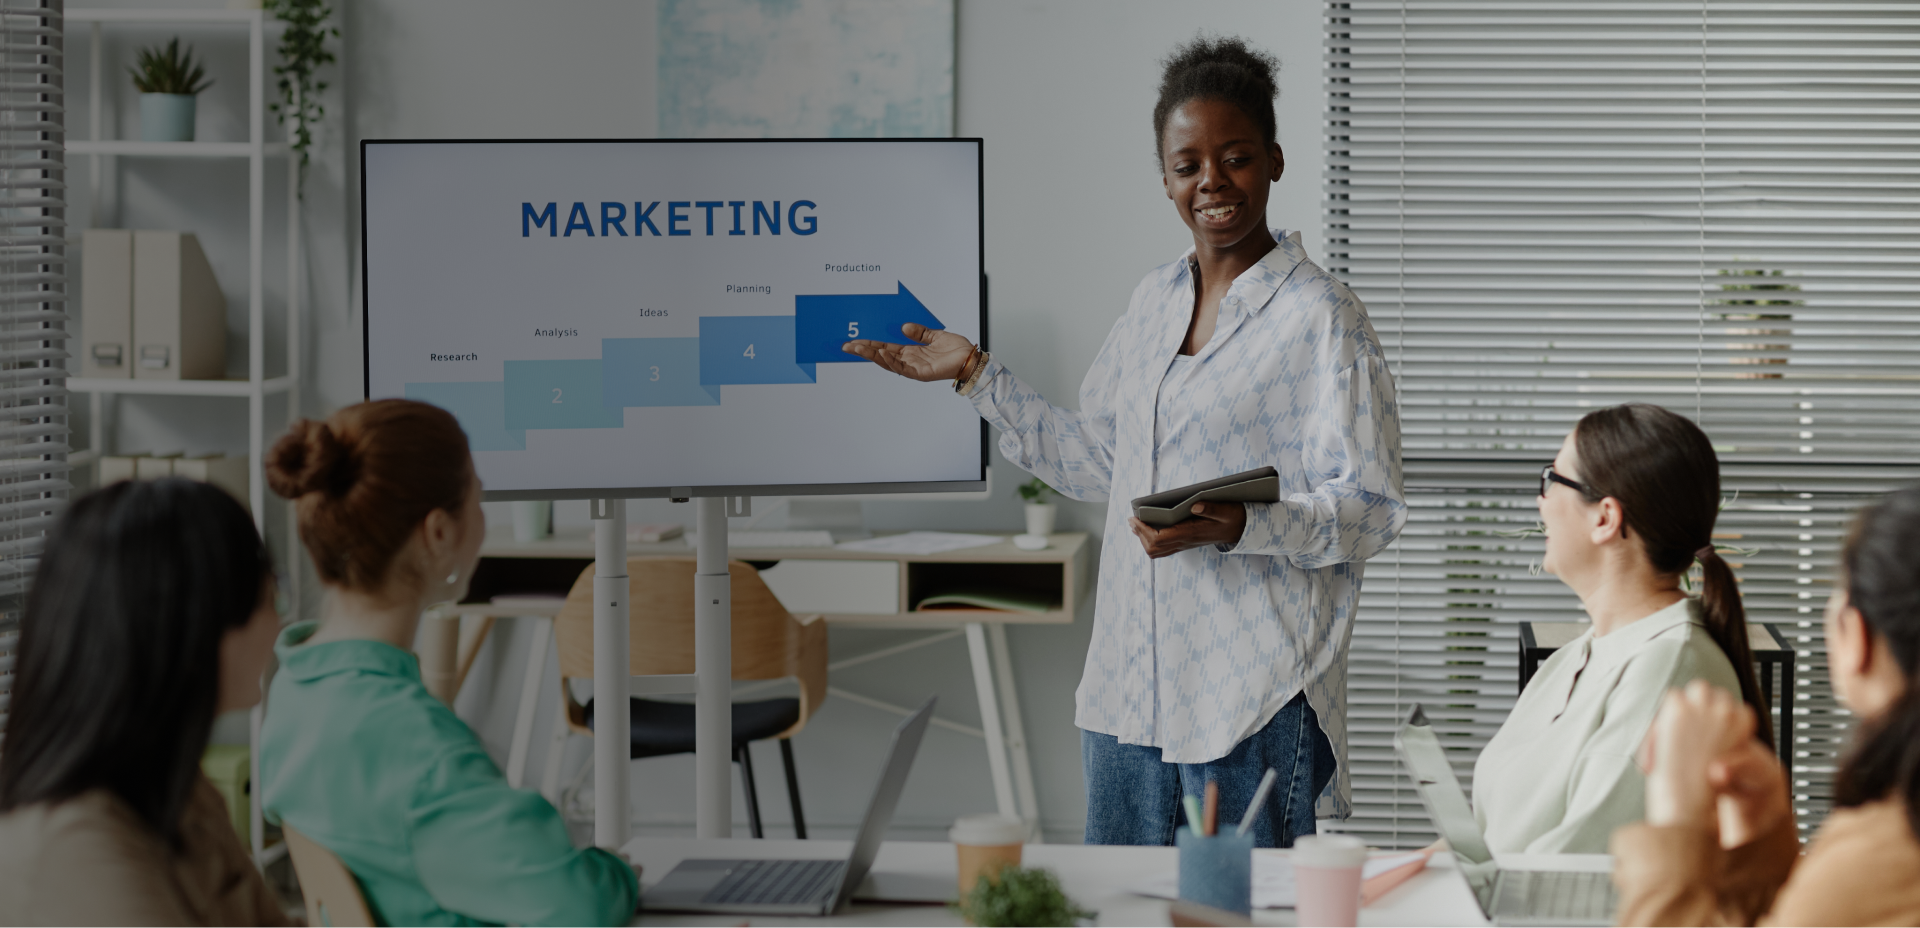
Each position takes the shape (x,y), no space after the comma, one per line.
(1629,505)
(355,753)
(1720,845)
(152,611)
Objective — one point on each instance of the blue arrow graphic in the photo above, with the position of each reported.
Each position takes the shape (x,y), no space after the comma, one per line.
(821,324)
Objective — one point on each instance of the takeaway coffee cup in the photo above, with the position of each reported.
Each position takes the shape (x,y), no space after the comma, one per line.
(1326,875)
(985,843)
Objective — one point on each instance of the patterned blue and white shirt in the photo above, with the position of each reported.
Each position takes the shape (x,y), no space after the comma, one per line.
(1194,652)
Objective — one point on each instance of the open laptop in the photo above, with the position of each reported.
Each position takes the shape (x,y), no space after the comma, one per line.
(1506,897)
(796,887)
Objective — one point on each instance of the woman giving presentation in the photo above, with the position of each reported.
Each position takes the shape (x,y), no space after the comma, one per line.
(1220,643)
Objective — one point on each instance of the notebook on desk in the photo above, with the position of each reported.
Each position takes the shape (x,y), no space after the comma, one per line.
(796,887)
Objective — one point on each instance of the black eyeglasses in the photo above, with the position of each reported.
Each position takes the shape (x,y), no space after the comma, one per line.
(1548,477)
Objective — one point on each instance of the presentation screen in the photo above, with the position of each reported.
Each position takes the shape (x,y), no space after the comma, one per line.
(634,318)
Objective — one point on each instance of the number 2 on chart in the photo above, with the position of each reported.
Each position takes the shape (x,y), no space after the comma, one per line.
(556,394)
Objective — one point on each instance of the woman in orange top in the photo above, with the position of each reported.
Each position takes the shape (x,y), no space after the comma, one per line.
(1719,843)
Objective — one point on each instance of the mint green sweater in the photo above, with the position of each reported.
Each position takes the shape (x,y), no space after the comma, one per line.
(357,755)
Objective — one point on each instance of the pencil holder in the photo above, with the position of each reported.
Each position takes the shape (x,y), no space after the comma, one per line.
(1217,870)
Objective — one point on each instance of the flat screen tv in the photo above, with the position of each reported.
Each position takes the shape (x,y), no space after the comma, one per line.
(642,318)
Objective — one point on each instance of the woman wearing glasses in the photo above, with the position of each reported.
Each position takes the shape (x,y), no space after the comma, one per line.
(1628,505)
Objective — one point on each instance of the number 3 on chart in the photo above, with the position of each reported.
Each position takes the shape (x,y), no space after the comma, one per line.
(748,353)
(656,372)
(556,394)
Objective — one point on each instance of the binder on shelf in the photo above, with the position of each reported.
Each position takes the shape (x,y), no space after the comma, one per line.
(227,473)
(154,466)
(117,467)
(106,303)
(179,314)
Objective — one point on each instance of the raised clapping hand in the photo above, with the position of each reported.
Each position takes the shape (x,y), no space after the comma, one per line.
(937,357)
(1706,768)
(1212,524)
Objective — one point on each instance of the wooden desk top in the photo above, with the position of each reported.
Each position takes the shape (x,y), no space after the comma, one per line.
(576,543)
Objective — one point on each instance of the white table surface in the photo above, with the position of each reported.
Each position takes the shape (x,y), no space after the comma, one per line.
(1097,878)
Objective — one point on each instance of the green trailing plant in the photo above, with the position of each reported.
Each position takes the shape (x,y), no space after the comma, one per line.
(1019,896)
(1036,491)
(303,52)
(167,69)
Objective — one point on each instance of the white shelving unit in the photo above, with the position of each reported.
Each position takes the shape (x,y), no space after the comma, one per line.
(257,387)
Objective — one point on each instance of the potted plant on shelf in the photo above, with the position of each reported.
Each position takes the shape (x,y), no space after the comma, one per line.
(169,81)
(1040,507)
(303,50)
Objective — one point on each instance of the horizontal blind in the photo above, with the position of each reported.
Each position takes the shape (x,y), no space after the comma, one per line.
(1550,207)
(33,413)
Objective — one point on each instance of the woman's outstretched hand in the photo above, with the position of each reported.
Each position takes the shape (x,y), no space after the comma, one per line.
(937,357)
(1212,524)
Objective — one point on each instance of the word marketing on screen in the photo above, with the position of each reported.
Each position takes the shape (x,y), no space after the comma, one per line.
(614,218)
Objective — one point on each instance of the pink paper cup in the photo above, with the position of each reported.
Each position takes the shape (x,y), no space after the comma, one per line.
(1326,874)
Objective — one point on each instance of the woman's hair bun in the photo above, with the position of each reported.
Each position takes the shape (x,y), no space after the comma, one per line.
(309,458)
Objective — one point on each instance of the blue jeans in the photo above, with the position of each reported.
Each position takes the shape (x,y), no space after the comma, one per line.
(1133,797)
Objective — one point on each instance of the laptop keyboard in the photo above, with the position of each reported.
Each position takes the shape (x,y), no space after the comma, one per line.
(1560,894)
(774,882)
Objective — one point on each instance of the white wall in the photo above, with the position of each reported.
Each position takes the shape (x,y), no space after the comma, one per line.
(1061,90)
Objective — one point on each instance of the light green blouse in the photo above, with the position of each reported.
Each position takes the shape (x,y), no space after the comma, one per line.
(357,755)
(1560,774)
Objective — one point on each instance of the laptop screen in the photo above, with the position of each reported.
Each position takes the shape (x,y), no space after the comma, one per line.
(1446,803)
(886,796)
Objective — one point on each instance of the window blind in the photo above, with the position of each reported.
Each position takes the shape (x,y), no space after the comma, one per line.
(33,395)
(1551,207)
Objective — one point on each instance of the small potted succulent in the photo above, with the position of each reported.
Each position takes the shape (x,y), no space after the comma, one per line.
(1040,507)
(168,80)
(1020,896)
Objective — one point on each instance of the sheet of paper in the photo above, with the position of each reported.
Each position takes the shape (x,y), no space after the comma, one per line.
(1273,886)
(920,543)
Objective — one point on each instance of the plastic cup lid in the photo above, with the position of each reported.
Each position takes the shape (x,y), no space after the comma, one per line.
(987,830)
(1329,852)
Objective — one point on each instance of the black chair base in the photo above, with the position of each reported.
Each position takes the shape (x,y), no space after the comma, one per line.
(661,728)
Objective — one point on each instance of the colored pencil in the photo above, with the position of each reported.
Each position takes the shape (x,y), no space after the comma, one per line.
(1259,799)
(1193,814)
(1212,813)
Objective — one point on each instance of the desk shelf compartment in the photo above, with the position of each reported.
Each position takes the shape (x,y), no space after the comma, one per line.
(1041,588)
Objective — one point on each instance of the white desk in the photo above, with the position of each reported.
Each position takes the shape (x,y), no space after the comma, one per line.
(1061,568)
(1097,878)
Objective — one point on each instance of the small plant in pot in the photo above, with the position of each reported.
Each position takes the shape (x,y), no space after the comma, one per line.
(169,81)
(1040,507)
(1019,896)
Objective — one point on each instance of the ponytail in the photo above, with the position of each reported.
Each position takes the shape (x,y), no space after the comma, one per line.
(1726,621)
(1885,761)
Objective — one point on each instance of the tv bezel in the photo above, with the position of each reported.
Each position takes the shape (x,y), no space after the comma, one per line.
(670,492)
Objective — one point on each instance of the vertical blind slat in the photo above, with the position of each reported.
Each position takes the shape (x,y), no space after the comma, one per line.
(33,396)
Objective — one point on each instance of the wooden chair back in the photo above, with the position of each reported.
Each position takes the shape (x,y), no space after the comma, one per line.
(768,642)
(333,896)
